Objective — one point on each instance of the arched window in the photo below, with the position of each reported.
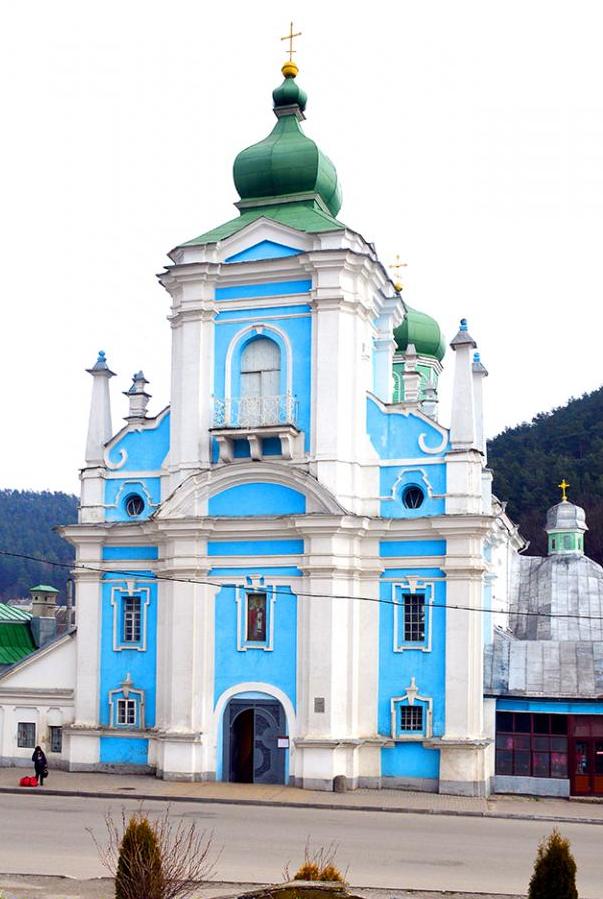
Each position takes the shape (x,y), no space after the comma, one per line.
(260,368)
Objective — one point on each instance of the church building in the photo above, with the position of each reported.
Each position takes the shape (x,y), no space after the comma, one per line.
(295,572)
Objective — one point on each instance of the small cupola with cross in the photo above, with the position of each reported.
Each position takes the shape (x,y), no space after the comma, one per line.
(565,526)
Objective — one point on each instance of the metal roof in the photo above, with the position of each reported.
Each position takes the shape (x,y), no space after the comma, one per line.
(12,613)
(16,641)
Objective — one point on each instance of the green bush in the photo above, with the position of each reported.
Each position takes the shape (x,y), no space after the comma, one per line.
(554,874)
(139,872)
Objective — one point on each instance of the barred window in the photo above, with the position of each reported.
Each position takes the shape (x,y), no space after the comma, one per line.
(126,711)
(26,734)
(56,739)
(414,617)
(411,718)
(131,619)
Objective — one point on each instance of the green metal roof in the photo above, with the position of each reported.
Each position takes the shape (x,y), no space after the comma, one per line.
(305,215)
(16,642)
(420,329)
(12,613)
(43,588)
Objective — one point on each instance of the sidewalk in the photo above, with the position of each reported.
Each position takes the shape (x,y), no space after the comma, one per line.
(143,787)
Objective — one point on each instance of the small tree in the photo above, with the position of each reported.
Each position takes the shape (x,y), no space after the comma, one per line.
(554,874)
(139,866)
(155,859)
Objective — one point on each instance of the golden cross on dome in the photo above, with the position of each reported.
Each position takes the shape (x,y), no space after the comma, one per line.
(564,485)
(397,265)
(289,37)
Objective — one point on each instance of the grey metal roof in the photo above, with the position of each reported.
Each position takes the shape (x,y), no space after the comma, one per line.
(548,668)
(556,587)
(566,516)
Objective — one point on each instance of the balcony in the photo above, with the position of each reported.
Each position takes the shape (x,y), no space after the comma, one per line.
(257,419)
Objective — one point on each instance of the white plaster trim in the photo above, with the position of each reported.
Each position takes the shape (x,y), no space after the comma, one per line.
(403,475)
(401,409)
(139,725)
(276,316)
(117,593)
(143,489)
(412,585)
(409,697)
(259,328)
(150,424)
(243,644)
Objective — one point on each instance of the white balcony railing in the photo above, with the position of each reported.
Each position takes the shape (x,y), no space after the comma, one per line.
(255,411)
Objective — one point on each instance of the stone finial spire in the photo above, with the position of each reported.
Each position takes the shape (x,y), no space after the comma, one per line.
(138,398)
(479,373)
(463,422)
(100,429)
(411,376)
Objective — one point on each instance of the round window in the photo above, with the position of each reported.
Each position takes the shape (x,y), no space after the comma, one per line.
(134,505)
(412,497)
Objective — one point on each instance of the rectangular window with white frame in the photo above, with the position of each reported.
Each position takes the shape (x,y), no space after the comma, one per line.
(126,712)
(130,602)
(255,617)
(26,735)
(411,715)
(412,605)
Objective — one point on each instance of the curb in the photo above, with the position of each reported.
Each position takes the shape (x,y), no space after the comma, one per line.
(327,806)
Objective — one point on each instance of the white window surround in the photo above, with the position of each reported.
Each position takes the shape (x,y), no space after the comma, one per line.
(255,585)
(118,593)
(411,585)
(411,697)
(126,691)
(133,485)
(260,330)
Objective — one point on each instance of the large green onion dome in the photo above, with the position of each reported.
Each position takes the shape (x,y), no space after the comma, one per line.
(287,164)
(422,331)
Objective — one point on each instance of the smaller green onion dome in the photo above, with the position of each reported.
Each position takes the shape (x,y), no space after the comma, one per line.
(422,331)
(289,93)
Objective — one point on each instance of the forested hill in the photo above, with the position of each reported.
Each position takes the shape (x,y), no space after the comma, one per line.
(26,522)
(530,460)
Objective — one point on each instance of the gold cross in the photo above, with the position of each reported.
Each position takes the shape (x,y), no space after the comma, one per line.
(564,485)
(289,37)
(397,265)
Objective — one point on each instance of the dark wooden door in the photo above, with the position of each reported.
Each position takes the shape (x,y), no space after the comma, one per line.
(586,756)
(251,750)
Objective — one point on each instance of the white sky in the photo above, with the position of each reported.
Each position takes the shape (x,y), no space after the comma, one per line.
(468,137)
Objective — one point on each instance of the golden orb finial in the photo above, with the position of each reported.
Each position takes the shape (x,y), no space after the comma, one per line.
(289,69)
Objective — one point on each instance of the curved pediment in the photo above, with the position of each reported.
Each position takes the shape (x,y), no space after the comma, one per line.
(249,489)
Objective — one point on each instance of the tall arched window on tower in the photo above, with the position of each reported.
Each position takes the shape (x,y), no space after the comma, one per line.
(260,383)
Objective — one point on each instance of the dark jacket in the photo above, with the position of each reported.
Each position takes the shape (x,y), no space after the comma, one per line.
(39,760)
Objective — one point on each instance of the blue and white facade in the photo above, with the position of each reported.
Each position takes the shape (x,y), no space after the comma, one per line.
(281,576)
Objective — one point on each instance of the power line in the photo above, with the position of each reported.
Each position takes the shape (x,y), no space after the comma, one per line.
(126,573)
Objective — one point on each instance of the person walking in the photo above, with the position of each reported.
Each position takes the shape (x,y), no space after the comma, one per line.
(40,764)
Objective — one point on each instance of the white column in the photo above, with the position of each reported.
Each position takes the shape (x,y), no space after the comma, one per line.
(99,422)
(479,373)
(462,423)
(411,377)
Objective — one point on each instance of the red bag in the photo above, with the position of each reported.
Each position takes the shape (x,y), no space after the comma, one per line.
(28,782)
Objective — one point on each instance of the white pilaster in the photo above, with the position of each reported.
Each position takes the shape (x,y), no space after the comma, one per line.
(479,372)
(462,423)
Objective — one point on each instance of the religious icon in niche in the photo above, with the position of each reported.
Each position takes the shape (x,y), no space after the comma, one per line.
(256,617)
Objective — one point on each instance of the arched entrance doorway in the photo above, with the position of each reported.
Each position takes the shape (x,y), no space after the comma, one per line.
(253,729)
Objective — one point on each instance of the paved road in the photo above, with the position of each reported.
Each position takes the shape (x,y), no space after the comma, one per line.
(47,835)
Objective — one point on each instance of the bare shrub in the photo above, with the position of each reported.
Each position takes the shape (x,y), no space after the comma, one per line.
(318,864)
(155,859)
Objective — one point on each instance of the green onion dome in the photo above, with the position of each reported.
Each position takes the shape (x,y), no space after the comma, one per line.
(422,331)
(287,165)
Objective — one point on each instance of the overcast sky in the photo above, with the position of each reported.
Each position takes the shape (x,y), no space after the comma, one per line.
(468,137)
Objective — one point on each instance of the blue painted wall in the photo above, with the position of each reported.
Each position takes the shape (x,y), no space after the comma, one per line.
(116,664)
(393,479)
(396,436)
(124,751)
(117,490)
(401,548)
(396,670)
(551,706)
(265,249)
(267,289)
(146,449)
(133,553)
(257,499)
(254,547)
